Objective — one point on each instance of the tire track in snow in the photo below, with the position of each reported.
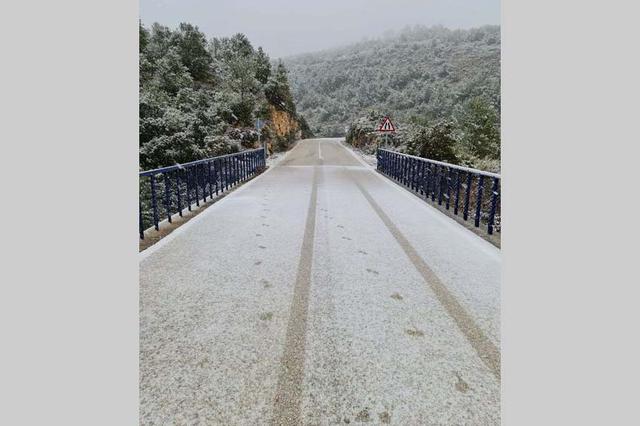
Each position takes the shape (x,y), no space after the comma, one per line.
(288,398)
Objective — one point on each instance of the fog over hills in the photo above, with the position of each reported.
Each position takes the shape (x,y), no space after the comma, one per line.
(419,75)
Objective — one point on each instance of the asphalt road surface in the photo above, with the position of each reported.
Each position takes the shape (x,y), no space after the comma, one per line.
(320,293)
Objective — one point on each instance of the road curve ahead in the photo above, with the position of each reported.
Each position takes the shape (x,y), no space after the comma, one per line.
(320,293)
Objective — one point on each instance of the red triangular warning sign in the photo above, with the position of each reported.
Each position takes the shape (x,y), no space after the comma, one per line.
(386,126)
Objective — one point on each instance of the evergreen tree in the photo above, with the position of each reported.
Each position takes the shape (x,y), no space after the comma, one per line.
(480,124)
(194,93)
(277,89)
(263,66)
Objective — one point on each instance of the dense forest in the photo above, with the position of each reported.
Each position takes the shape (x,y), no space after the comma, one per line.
(441,88)
(200,98)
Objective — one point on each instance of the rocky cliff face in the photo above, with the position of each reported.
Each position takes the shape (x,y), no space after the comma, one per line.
(283,128)
(283,124)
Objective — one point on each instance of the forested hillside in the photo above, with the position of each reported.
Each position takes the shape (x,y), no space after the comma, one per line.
(200,98)
(441,88)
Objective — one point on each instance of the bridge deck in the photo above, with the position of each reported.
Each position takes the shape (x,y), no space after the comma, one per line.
(320,293)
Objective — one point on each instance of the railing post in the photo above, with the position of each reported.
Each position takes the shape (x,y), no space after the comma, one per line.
(226,173)
(414,174)
(215,175)
(237,159)
(195,176)
(441,177)
(427,177)
(187,180)
(455,206)
(396,167)
(422,171)
(448,178)
(434,182)
(494,202)
(232,169)
(167,198)
(393,165)
(410,173)
(407,181)
(203,179)
(465,214)
(178,192)
(154,203)
(140,220)
(209,179)
(387,162)
(479,200)
(404,170)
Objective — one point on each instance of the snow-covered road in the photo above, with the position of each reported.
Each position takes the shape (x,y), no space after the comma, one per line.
(320,293)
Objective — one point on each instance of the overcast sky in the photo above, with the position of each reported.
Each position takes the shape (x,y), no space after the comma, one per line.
(286,27)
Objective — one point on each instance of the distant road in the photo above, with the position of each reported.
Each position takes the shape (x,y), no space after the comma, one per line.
(320,293)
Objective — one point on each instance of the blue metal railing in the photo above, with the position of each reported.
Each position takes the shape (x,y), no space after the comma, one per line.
(462,188)
(167,191)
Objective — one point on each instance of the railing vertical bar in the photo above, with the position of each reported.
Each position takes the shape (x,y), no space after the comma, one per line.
(210,181)
(214,176)
(465,214)
(140,220)
(154,203)
(226,173)
(421,184)
(412,173)
(195,178)
(448,178)
(232,168)
(441,173)
(455,206)
(434,181)
(167,197)
(178,192)
(395,167)
(415,171)
(427,176)
(238,161)
(203,179)
(479,201)
(187,179)
(404,171)
(494,202)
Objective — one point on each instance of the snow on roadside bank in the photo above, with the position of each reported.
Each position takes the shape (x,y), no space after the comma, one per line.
(275,158)
(370,159)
